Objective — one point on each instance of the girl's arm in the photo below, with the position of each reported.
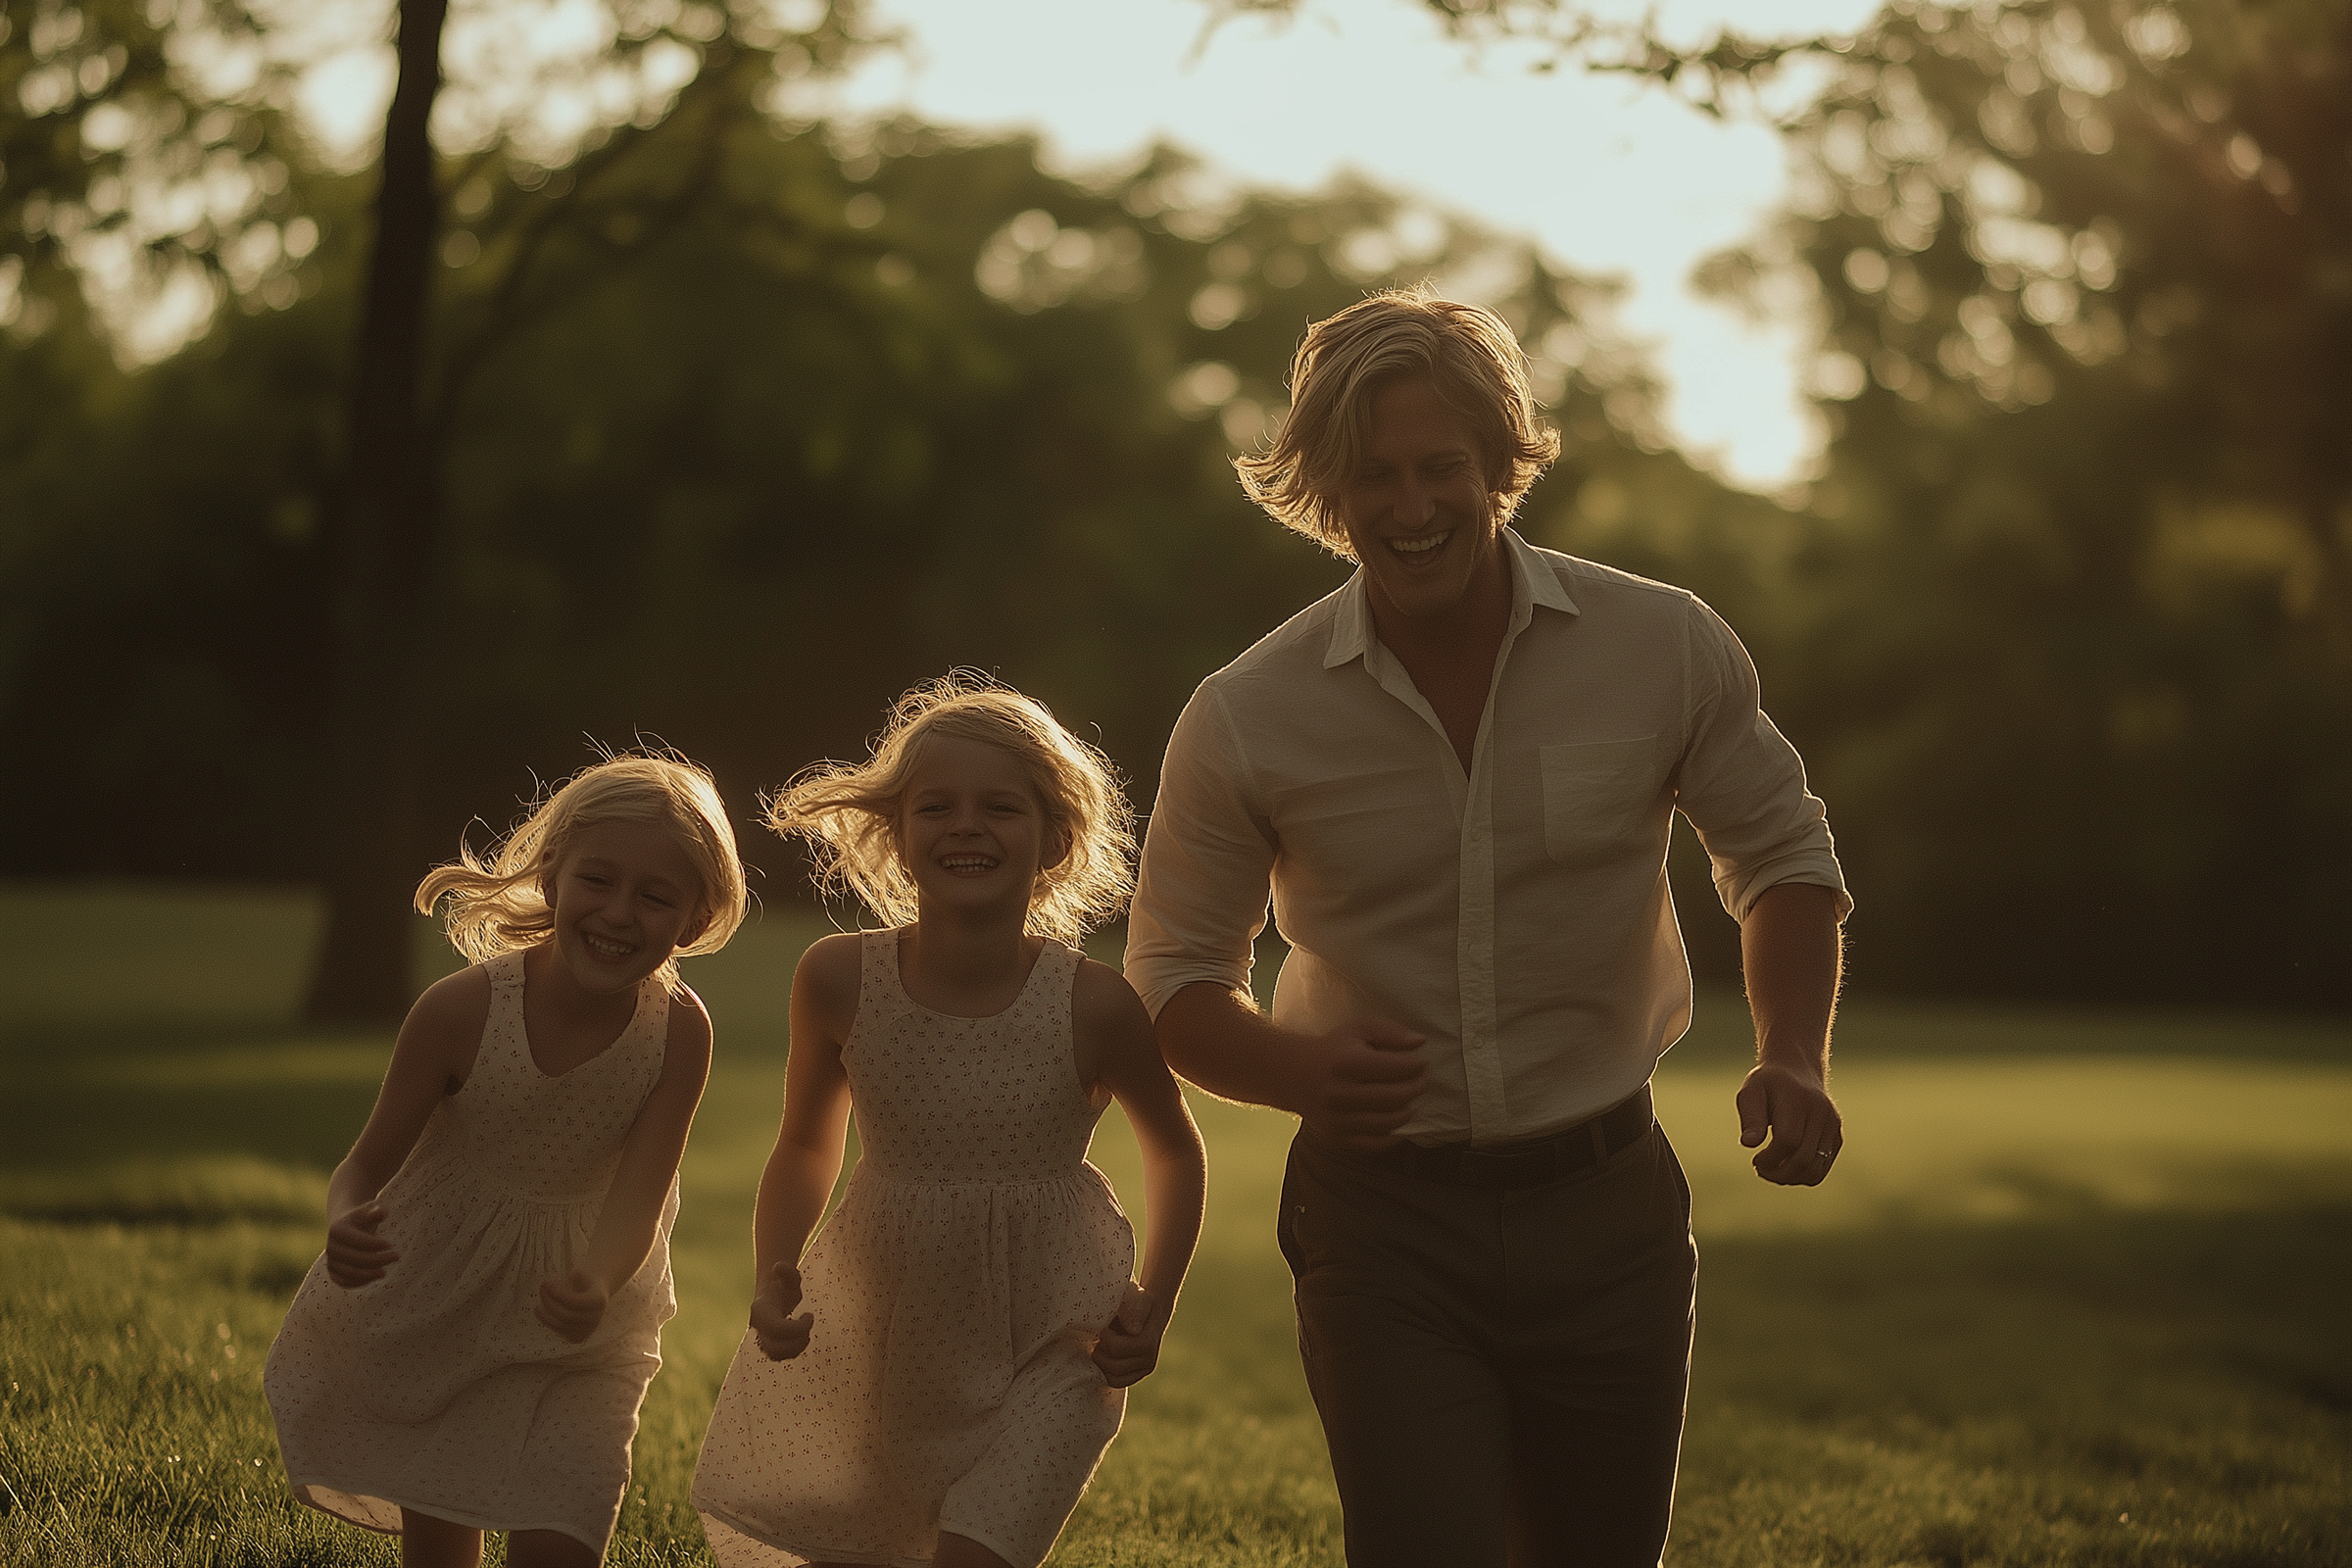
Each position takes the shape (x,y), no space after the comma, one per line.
(800,1176)
(431,1059)
(1115,1036)
(617,1247)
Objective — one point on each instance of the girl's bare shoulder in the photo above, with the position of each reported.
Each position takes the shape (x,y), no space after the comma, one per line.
(457,1003)
(443,1031)
(1104,1003)
(689,1034)
(829,973)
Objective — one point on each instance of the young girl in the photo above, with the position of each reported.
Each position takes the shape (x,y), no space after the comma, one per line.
(469,1352)
(959,1369)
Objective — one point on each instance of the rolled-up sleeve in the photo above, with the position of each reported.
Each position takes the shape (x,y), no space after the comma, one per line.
(1209,854)
(1742,786)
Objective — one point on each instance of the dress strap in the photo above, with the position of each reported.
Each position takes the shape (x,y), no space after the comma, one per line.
(878,958)
(503,1032)
(506,971)
(1050,993)
(878,989)
(652,1014)
(1063,960)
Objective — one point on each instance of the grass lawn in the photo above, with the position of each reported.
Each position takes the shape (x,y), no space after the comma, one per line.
(2077,1294)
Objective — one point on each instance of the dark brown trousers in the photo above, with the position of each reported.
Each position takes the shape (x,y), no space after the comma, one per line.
(1500,1373)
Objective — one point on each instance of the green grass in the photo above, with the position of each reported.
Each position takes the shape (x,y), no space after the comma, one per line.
(2077,1294)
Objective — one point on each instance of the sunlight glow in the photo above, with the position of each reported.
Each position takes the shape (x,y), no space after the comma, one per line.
(1609,176)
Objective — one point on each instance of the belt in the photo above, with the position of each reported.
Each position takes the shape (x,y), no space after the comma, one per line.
(1530,1163)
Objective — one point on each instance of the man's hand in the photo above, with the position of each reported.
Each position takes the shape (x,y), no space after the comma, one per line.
(572,1306)
(1791,1104)
(356,1254)
(1129,1347)
(781,1334)
(1358,1083)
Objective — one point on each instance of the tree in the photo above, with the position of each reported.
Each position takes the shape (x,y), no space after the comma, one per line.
(2082,275)
(783,416)
(114,84)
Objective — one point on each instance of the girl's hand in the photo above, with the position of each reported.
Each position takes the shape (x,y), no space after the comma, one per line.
(355,1255)
(572,1305)
(1129,1347)
(781,1334)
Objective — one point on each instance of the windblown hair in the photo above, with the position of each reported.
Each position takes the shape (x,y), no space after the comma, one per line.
(499,904)
(1467,355)
(850,813)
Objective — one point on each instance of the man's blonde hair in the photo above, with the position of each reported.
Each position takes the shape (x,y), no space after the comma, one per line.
(849,813)
(1465,353)
(499,904)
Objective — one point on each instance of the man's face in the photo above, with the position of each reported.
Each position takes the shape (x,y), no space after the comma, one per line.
(1417,508)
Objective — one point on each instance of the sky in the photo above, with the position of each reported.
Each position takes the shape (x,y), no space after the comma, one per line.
(1608,174)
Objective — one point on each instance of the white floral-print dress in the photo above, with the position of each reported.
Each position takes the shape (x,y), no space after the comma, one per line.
(435,1388)
(957,1292)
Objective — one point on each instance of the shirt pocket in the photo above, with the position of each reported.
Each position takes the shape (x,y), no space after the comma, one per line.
(1595,795)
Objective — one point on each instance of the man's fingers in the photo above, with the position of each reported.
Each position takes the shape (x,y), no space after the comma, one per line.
(1755,1110)
(1382,1035)
(1383,1067)
(1801,1153)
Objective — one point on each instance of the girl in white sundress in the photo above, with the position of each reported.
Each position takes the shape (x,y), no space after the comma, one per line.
(469,1352)
(972,1324)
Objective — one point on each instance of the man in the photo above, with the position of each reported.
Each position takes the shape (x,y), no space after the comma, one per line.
(1456,775)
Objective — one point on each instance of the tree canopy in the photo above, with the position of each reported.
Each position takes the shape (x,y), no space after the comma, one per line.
(742,422)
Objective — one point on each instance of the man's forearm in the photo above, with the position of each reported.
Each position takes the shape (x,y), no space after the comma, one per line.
(1214,1038)
(1790,951)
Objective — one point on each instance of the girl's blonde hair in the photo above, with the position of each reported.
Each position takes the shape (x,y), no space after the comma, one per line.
(499,904)
(1465,353)
(850,813)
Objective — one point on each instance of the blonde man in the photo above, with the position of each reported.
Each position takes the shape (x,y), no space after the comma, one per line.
(1456,776)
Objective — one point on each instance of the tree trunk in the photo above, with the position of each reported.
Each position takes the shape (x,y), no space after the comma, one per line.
(386,550)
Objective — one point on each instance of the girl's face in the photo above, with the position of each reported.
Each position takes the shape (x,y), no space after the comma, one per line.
(971,830)
(625,896)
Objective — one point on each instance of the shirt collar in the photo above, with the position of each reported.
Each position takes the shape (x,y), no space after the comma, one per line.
(1532,582)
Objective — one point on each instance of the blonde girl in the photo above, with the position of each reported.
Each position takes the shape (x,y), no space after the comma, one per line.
(469,1352)
(971,1324)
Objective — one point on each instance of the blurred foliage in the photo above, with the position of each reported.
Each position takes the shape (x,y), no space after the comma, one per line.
(2076,656)
(1718,72)
(748,423)
(749,420)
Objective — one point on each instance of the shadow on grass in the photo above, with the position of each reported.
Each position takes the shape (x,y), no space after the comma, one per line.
(2092,1387)
(2095,1387)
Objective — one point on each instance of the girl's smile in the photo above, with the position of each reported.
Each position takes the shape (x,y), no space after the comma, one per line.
(624,898)
(972,825)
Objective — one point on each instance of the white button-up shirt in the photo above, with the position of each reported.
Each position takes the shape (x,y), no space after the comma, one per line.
(1517,916)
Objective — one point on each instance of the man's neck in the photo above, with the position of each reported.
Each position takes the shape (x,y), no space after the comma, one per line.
(1461,639)
(1449,658)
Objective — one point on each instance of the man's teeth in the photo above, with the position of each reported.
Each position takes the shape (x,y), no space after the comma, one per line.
(1420,546)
